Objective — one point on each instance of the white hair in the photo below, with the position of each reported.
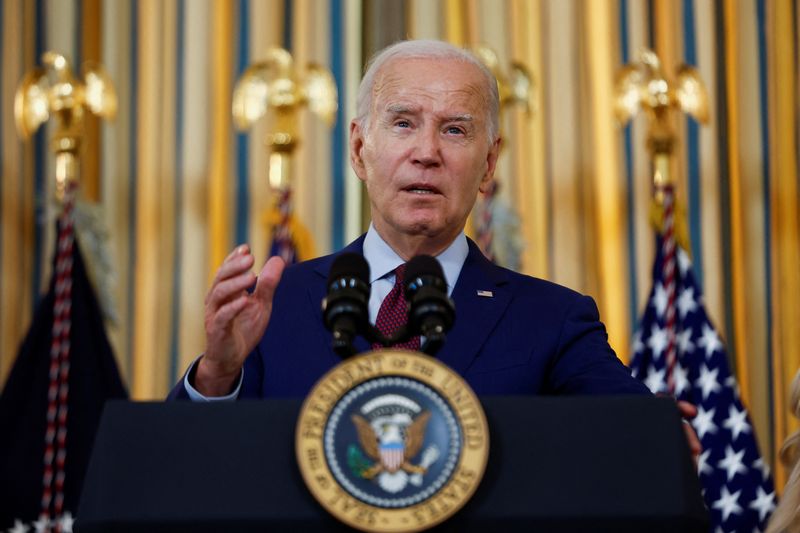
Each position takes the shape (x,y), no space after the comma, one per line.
(425,49)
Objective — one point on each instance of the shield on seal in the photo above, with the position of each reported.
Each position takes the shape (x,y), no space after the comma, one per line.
(392,455)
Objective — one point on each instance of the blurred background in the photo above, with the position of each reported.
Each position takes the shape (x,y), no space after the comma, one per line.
(176,187)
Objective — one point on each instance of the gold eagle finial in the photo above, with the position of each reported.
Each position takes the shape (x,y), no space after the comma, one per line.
(643,85)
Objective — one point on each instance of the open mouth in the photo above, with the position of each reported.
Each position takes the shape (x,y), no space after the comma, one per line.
(418,188)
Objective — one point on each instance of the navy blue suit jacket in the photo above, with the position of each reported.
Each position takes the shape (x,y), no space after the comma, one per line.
(530,337)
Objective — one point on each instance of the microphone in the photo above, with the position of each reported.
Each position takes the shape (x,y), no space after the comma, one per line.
(431,311)
(345,308)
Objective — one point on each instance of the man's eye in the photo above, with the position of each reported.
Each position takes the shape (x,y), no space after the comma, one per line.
(402,124)
(454,130)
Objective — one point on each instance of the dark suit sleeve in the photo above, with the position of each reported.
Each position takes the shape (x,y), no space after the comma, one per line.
(249,385)
(584,362)
(178,392)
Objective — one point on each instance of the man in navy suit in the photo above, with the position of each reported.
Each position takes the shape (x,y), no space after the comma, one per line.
(425,141)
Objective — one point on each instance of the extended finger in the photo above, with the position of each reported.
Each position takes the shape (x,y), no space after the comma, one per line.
(268,278)
(229,288)
(695,447)
(232,267)
(226,313)
(687,410)
(239,250)
(234,264)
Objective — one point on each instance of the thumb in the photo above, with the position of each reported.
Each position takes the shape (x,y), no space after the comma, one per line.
(268,279)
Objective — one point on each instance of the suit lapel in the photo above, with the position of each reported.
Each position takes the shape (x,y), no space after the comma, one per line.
(476,315)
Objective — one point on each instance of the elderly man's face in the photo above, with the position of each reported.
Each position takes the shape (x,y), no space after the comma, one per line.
(426,152)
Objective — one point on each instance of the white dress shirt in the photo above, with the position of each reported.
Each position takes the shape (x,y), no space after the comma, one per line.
(383,260)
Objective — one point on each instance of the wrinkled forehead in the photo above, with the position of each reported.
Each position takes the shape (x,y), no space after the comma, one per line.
(450,83)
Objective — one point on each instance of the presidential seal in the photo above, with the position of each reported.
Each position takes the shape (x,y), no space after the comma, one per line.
(392,441)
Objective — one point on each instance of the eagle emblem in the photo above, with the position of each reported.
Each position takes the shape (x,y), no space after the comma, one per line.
(390,451)
(390,442)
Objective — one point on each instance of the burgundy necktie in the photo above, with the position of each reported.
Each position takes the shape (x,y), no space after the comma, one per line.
(394,313)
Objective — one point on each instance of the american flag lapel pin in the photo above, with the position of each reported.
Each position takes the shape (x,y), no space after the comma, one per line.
(486,294)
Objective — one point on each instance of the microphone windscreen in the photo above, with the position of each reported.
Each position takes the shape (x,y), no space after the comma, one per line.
(349,265)
(423,265)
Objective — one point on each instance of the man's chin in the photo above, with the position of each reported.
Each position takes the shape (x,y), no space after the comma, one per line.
(420,236)
(421,228)
(417,223)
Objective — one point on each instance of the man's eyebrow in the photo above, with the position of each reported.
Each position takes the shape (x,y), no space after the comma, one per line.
(466,117)
(399,109)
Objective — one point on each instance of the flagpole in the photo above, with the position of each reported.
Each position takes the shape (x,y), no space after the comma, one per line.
(45,92)
(642,86)
(661,144)
(276,87)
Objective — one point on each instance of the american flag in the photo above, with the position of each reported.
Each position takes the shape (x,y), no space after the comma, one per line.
(737,486)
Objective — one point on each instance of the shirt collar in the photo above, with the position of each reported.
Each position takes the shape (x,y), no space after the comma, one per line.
(383,260)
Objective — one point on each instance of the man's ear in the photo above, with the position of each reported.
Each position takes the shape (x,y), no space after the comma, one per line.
(356,148)
(491,164)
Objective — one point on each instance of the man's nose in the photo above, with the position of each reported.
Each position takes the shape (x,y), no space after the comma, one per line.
(427,152)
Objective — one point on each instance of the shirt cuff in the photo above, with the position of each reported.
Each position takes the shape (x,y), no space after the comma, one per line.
(195,396)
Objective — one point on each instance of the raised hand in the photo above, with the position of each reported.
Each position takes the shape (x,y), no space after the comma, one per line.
(235,319)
